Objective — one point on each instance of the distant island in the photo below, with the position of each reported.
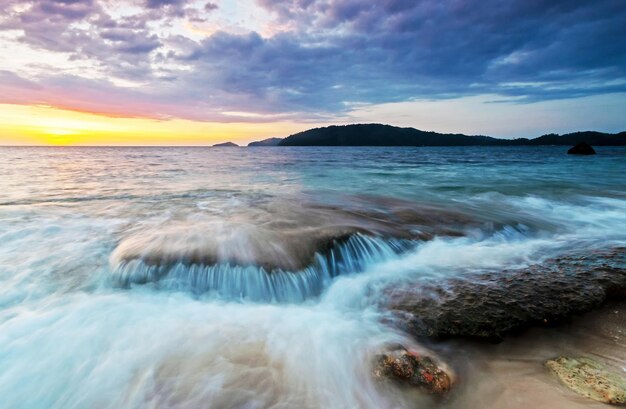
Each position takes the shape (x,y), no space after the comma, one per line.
(226,145)
(387,135)
(266,142)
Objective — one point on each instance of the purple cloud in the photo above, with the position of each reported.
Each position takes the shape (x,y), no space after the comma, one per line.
(335,53)
(161,3)
(210,7)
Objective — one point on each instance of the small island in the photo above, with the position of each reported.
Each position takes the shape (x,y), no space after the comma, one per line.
(226,145)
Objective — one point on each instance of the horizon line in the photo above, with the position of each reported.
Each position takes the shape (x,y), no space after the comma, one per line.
(216,144)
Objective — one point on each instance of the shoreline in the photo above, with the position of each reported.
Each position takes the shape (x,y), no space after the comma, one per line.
(512,373)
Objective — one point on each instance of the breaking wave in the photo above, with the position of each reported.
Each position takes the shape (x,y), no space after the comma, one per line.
(253,283)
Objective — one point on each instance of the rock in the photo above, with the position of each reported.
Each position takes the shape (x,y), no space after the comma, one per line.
(590,379)
(239,245)
(583,148)
(280,235)
(411,368)
(494,304)
(424,220)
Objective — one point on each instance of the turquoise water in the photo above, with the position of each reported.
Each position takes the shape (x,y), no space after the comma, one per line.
(248,277)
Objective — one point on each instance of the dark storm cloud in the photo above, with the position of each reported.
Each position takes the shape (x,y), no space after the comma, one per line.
(375,52)
(338,52)
(473,46)
(289,76)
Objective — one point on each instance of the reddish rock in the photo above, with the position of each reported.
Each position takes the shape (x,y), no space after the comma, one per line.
(412,368)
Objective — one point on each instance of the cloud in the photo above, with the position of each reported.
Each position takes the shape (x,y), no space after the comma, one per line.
(162,3)
(210,6)
(469,45)
(331,54)
(70,9)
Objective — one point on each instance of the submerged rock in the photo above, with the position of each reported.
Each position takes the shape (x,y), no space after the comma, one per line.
(583,148)
(590,379)
(492,305)
(236,244)
(281,235)
(421,220)
(254,283)
(412,368)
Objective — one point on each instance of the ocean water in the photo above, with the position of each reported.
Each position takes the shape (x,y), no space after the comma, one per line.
(248,277)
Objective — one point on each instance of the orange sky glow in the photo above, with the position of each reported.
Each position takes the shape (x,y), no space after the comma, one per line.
(44,125)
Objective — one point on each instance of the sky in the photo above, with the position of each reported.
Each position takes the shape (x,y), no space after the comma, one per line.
(189,72)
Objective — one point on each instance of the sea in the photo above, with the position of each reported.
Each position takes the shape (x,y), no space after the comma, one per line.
(197,277)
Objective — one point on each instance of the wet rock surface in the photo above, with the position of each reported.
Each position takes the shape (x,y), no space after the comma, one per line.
(281,235)
(412,368)
(492,305)
(236,244)
(421,221)
(590,378)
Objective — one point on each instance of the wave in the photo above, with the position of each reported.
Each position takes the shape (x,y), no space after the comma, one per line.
(197,194)
(253,283)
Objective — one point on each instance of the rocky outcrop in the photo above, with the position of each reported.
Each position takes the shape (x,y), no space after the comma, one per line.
(492,305)
(590,378)
(583,148)
(282,236)
(287,250)
(411,368)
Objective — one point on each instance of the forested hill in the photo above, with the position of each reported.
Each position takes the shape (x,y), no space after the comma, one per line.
(387,135)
